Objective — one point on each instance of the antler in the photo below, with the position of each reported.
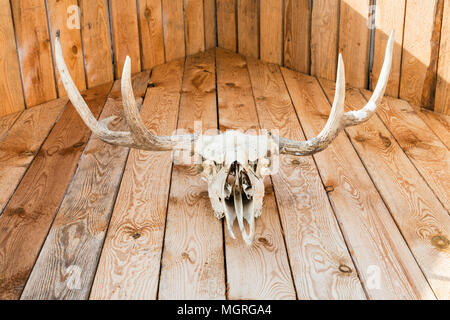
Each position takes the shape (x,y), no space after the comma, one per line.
(338,120)
(138,137)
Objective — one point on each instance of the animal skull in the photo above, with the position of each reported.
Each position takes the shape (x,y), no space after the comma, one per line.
(233,164)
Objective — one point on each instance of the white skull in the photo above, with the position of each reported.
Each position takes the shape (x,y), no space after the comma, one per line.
(234,165)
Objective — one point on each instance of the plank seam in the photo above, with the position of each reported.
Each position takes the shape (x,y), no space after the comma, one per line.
(346,242)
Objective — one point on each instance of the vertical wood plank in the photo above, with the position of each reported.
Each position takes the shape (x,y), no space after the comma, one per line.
(125,32)
(68,259)
(271,31)
(209,8)
(129,265)
(194,26)
(96,42)
(30,212)
(174,37)
(267,254)
(248,28)
(35,53)
(354,38)
(442,101)
(420,52)
(193,258)
(226,24)
(390,15)
(376,244)
(321,264)
(19,147)
(324,38)
(297,35)
(10,81)
(62,18)
(151,33)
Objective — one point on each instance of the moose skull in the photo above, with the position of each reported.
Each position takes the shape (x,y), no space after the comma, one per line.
(234,164)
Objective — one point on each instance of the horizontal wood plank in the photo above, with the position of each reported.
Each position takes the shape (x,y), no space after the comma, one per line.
(438,123)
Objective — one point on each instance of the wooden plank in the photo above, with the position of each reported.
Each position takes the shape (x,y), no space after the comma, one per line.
(389,16)
(30,212)
(193,258)
(248,28)
(324,38)
(10,82)
(20,146)
(61,17)
(297,35)
(419,51)
(125,35)
(354,38)
(426,151)
(267,255)
(321,264)
(67,261)
(151,33)
(271,31)
(35,56)
(442,102)
(194,26)
(174,37)
(96,42)
(6,122)
(129,265)
(209,8)
(385,264)
(421,218)
(227,24)
(438,123)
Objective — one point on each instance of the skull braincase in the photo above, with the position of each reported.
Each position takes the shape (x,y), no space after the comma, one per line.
(234,165)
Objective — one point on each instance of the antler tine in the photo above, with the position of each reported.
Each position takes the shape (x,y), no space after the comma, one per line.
(99,129)
(338,120)
(144,139)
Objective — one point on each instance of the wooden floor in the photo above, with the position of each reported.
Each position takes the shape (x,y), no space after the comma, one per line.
(368,218)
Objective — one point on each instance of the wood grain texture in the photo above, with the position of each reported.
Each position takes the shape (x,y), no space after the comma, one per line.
(426,151)
(271,31)
(19,147)
(442,101)
(438,123)
(354,37)
(419,51)
(125,31)
(209,9)
(35,53)
(248,28)
(29,214)
(390,15)
(66,264)
(226,24)
(321,264)
(273,280)
(194,26)
(130,259)
(324,38)
(151,33)
(297,24)
(421,218)
(385,264)
(193,258)
(174,37)
(62,16)
(6,122)
(10,81)
(96,42)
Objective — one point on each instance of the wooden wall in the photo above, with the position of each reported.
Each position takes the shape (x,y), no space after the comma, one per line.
(304,35)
